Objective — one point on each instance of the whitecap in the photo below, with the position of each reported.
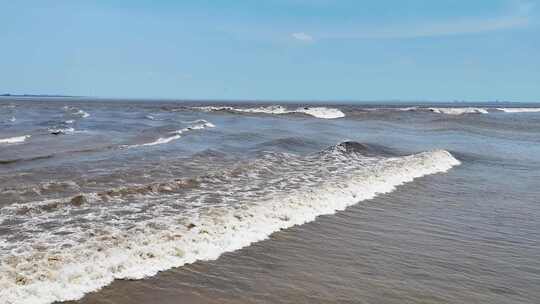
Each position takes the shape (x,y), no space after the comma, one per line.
(519,110)
(319,112)
(14,140)
(76,111)
(200,125)
(61,131)
(161,140)
(82,113)
(322,112)
(458,111)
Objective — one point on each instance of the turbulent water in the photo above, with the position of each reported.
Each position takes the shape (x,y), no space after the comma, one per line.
(96,191)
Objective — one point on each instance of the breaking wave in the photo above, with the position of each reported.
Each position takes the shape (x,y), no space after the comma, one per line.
(458,111)
(199,125)
(61,131)
(438,110)
(66,248)
(519,110)
(319,112)
(14,140)
(74,111)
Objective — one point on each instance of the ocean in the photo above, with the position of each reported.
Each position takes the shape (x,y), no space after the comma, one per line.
(133,201)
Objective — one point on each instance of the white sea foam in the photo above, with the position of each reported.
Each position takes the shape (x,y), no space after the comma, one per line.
(459,111)
(408,109)
(160,141)
(59,131)
(319,112)
(82,113)
(14,140)
(76,111)
(199,125)
(519,110)
(39,273)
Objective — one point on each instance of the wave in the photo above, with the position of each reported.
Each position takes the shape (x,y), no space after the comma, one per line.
(82,113)
(370,150)
(91,245)
(458,111)
(159,141)
(154,118)
(287,144)
(14,140)
(200,124)
(319,112)
(438,110)
(8,121)
(21,160)
(74,111)
(61,131)
(519,110)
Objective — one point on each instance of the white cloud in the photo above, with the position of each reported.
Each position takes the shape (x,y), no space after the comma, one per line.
(302,37)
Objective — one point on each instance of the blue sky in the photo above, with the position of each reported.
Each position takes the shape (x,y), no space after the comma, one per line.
(443,50)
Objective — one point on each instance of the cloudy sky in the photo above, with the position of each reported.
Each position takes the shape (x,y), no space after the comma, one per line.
(274,49)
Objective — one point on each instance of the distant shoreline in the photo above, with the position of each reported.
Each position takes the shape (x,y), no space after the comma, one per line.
(396,102)
(35,95)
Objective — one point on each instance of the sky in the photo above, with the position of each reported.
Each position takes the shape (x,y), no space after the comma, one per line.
(332,50)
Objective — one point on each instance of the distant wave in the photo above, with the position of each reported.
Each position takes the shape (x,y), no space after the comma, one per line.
(108,249)
(438,110)
(14,140)
(153,117)
(159,141)
(9,120)
(74,111)
(61,131)
(319,112)
(519,110)
(459,111)
(82,113)
(200,124)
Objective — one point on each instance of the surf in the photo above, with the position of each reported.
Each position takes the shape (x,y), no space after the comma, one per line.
(73,260)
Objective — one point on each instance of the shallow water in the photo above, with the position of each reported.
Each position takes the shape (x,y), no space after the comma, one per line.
(129,188)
